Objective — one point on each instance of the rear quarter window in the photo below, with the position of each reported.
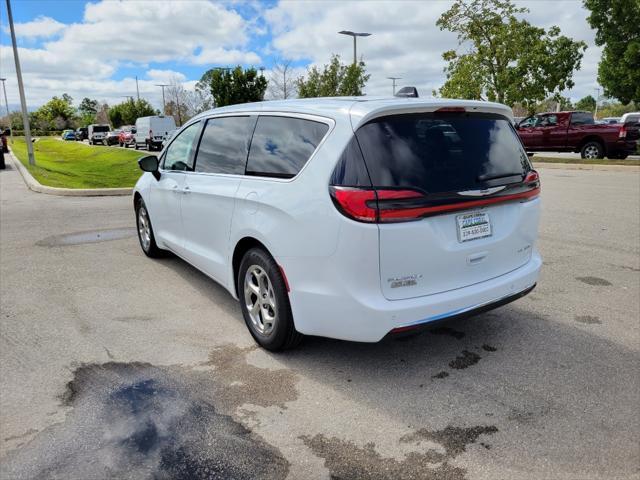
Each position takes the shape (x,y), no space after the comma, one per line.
(281,146)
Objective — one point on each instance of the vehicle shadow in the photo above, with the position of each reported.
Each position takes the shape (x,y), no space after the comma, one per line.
(551,389)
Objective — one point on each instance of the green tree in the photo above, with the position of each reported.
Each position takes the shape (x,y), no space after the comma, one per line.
(57,114)
(616,109)
(617,25)
(334,80)
(127,112)
(506,59)
(233,86)
(587,103)
(87,111)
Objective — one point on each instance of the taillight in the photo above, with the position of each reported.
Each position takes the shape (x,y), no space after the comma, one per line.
(381,205)
(451,109)
(355,203)
(623,132)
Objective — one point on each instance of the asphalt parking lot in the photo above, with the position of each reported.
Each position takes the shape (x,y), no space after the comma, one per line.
(113,365)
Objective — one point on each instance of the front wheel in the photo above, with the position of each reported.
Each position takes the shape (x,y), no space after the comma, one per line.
(592,150)
(265,302)
(145,231)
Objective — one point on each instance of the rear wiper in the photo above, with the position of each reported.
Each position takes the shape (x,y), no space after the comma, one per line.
(488,176)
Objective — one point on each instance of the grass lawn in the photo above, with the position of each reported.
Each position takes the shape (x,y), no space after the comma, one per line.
(76,165)
(585,161)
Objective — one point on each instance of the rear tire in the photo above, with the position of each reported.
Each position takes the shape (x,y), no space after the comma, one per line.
(145,232)
(265,303)
(592,150)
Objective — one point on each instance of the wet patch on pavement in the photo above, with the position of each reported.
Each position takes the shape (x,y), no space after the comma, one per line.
(489,348)
(140,421)
(93,236)
(465,360)
(447,331)
(346,460)
(587,319)
(453,439)
(595,281)
(442,374)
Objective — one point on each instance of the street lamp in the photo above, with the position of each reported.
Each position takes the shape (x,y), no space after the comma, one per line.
(354,35)
(164,108)
(394,82)
(23,101)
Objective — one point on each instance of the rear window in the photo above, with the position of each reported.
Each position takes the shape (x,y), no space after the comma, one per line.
(281,145)
(442,152)
(582,118)
(101,128)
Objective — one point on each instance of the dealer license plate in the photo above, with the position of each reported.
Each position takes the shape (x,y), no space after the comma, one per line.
(472,226)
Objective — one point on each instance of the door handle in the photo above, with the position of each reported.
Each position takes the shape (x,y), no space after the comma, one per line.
(186,190)
(174,189)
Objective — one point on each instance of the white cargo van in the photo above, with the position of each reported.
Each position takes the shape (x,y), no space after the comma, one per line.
(97,133)
(152,131)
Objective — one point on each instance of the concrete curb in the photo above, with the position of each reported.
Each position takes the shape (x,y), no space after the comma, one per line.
(583,166)
(36,186)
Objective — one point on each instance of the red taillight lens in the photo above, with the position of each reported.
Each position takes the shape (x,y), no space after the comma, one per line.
(532,176)
(355,203)
(623,132)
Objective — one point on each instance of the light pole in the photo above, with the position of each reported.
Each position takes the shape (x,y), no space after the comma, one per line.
(164,108)
(6,103)
(23,101)
(354,35)
(595,114)
(393,79)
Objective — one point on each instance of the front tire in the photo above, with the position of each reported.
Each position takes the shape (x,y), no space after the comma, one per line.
(592,150)
(265,302)
(145,232)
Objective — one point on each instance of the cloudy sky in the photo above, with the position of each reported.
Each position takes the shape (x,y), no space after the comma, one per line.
(96,49)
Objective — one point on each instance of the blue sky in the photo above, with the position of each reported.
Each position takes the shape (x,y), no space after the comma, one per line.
(96,49)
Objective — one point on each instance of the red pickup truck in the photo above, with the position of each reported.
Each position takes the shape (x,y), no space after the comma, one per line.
(577,132)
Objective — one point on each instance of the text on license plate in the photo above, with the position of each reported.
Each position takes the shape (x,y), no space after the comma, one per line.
(473,225)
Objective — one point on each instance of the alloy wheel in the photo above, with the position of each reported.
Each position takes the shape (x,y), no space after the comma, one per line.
(144,228)
(260,300)
(591,152)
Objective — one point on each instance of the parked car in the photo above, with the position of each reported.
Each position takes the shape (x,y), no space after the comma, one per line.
(632,117)
(152,131)
(428,211)
(112,137)
(608,120)
(126,136)
(82,133)
(69,135)
(97,133)
(574,132)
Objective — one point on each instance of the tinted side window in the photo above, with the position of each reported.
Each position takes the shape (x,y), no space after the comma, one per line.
(581,118)
(224,145)
(281,146)
(179,155)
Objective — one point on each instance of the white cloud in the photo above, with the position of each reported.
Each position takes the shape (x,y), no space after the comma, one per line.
(41,27)
(406,41)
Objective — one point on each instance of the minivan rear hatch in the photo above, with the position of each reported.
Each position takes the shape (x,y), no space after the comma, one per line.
(454,192)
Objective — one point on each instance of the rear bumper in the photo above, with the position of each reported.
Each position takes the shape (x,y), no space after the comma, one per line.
(330,310)
(623,146)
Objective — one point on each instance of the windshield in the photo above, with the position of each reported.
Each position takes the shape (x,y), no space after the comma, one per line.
(101,128)
(442,152)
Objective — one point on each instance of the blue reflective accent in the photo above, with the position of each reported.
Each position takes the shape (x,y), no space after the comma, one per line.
(441,316)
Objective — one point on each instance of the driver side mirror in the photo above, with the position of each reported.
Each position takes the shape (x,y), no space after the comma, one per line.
(150,164)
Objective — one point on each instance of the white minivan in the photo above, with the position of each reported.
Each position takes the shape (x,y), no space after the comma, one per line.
(351,218)
(152,131)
